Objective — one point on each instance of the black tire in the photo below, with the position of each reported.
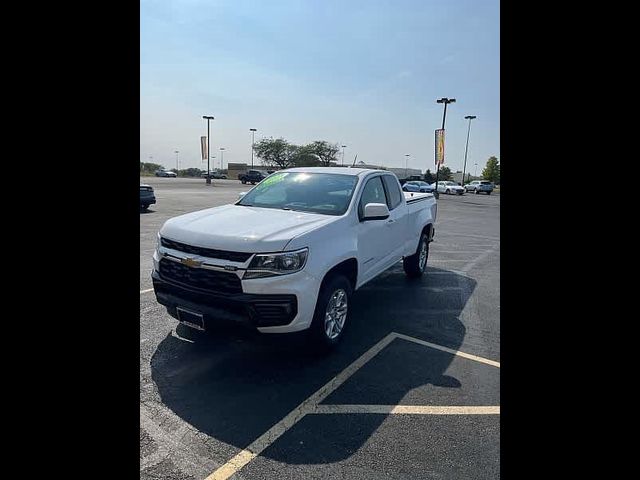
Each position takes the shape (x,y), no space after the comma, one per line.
(244,182)
(477,192)
(488,193)
(253,183)
(411,264)
(448,192)
(318,336)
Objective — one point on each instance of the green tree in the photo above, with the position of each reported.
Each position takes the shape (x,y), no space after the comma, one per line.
(304,156)
(492,171)
(325,151)
(429,177)
(275,153)
(444,174)
(150,167)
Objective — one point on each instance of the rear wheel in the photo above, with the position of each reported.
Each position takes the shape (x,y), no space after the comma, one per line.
(331,313)
(416,264)
(448,192)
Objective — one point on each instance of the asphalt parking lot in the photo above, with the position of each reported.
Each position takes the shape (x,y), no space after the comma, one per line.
(412,392)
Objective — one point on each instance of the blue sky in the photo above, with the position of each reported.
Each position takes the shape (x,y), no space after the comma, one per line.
(364,74)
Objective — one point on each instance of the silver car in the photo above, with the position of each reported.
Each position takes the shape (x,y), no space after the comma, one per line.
(449,187)
(478,186)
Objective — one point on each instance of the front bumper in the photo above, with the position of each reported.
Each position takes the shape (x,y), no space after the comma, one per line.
(271,305)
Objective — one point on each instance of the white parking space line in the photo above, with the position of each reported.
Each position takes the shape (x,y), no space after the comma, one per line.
(453,234)
(473,263)
(311,404)
(146,291)
(448,350)
(407,409)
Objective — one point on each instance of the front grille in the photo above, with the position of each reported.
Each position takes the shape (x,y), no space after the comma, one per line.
(206,252)
(209,280)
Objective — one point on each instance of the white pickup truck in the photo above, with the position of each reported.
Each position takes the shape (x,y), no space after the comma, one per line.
(288,255)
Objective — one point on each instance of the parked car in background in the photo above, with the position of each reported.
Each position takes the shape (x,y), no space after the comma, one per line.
(252,177)
(478,186)
(216,175)
(147,196)
(423,187)
(449,187)
(410,187)
(166,173)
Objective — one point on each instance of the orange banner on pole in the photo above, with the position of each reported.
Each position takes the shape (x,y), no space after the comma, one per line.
(439,146)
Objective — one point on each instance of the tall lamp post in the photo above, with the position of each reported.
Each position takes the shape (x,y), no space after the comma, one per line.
(253,141)
(468,117)
(406,165)
(476,172)
(177,162)
(221,156)
(343,147)
(208,117)
(446,102)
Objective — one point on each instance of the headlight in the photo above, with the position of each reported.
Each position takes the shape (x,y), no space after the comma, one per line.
(274,264)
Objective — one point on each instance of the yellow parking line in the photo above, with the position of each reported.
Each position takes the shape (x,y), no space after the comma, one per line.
(408,409)
(271,435)
(311,406)
(449,350)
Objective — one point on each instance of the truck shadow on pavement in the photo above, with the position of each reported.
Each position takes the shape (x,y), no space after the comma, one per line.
(234,384)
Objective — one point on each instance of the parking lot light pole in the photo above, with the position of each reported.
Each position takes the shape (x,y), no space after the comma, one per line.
(446,102)
(177,162)
(406,165)
(208,117)
(468,117)
(343,147)
(253,141)
(221,157)
(476,172)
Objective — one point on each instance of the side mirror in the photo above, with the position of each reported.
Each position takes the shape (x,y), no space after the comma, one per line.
(241,194)
(375,211)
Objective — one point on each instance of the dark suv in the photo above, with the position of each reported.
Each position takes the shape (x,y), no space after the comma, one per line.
(252,176)
(147,197)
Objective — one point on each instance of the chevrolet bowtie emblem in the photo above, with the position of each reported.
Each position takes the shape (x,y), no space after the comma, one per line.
(190,262)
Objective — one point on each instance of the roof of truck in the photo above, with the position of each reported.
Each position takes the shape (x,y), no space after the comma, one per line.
(339,170)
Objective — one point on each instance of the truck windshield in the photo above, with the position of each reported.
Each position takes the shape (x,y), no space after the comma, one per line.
(325,193)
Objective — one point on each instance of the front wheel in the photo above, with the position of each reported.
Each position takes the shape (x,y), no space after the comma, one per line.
(416,264)
(244,182)
(331,313)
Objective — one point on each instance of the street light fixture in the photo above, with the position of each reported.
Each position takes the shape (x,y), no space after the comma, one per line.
(468,117)
(208,118)
(406,165)
(446,102)
(343,147)
(253,141)
(177,162)
(221,156)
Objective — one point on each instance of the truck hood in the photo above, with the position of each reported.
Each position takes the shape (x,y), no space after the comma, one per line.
(242,229)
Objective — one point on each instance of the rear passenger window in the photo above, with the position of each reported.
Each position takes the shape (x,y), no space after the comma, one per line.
(393,189)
